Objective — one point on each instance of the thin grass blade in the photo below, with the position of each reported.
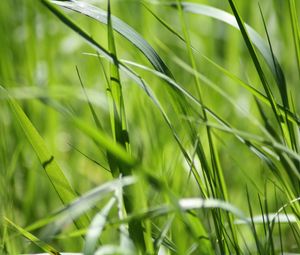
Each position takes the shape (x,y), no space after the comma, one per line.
(44,246)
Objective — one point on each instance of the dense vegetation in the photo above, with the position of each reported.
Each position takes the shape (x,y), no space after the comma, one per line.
(149,127)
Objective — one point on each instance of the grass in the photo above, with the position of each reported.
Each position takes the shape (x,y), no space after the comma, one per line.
(149,127)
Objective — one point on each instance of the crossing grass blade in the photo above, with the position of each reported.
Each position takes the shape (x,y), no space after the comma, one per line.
(122,28)
(250,36)
(270,138)
(131,74)
(219,188)
(185,204)
(257,65)
(48,162)
(256,93)
(257,41)
(229,19)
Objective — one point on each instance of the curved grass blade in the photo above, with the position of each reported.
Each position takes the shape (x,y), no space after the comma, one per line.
(284,111)
(122,28)
(273,217)
(270,142)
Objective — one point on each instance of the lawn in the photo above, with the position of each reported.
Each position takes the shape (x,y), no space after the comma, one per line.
(149,127)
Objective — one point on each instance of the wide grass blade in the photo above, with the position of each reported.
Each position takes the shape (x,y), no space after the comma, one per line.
(48,162)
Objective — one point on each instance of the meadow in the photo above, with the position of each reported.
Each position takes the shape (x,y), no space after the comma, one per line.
(149,127)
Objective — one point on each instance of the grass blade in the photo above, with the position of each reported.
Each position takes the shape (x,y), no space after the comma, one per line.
(44,246)
(229,19)
(97,227)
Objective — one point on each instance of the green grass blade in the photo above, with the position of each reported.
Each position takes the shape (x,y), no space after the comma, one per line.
(105,141)
(219,190)
(52,169)
(117,108)
(254,231)
(162,234)
(115,87)
(281,85)
(91,159)
(229,19)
